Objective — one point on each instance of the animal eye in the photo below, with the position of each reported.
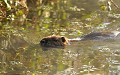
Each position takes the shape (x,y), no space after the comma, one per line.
(55,40)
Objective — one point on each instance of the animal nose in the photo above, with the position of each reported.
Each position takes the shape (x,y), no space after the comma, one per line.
(42,42)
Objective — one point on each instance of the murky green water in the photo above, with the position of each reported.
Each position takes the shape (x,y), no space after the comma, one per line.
(79,58)
(69,18)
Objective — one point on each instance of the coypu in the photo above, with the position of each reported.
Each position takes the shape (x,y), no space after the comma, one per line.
(60,41)
(54,42)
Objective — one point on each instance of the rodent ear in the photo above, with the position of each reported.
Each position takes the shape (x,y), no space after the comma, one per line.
(63,39)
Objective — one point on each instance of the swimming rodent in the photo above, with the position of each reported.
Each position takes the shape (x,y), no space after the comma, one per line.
(61,41)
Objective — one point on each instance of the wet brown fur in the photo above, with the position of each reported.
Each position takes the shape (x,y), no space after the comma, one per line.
(54,42)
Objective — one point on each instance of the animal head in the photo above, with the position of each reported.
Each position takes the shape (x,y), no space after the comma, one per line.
(54,42)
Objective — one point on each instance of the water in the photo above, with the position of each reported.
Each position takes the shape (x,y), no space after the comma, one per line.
(94,57)
(89,57)
(70,18)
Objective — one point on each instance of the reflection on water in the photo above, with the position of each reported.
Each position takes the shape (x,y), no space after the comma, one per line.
(62,17)
(96,57)
(79,58)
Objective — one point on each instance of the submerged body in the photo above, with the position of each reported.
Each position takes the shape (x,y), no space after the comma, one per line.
(61,42)
(100,35)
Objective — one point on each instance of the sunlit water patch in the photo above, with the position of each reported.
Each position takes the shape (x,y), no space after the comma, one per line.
(94,57)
